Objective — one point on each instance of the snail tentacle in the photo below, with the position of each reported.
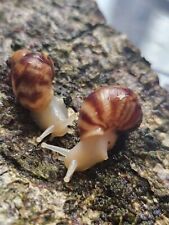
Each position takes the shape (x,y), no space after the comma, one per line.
(105,113)
(32,74)
(61,151)
(48,131)
(71,169)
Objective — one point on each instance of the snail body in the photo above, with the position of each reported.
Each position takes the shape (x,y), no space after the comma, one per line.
(105,112)
(32,75)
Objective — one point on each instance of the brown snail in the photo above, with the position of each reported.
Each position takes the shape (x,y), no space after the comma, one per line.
(32,75)
(104,113)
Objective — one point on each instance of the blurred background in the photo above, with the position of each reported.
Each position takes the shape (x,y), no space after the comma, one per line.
(146,23)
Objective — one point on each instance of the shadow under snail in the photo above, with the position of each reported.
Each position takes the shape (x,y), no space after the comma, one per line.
(104,113)
(32,75)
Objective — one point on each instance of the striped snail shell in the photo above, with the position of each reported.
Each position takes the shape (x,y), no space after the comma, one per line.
(32,75)
(111,107)
(104,113)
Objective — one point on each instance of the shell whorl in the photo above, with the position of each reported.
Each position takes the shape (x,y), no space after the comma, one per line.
(109,108)
(32,75)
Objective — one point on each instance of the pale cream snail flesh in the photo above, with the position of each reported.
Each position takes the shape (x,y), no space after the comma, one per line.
(104,114)
(32,74)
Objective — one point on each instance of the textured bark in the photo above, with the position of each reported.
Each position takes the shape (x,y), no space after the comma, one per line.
(132,186)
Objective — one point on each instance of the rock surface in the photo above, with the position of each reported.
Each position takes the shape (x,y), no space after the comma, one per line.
(132,186)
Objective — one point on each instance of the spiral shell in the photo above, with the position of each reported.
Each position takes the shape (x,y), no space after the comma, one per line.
(32,75)
(109,108)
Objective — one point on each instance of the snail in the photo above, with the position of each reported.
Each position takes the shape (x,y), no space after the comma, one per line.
(105,112)
(32,75)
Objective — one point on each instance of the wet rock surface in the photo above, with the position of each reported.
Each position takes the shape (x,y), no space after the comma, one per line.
(132,186)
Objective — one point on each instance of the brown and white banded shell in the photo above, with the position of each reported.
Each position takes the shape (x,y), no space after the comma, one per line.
(109,108)
(32,75)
